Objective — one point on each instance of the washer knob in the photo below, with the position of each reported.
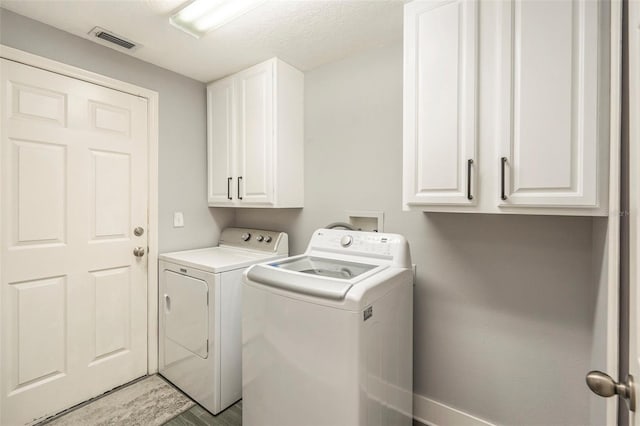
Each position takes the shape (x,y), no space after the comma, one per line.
(346,241)
(267,239)
(259,238)
(246,236)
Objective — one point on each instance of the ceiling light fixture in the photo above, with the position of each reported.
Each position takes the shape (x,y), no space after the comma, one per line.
(201,16)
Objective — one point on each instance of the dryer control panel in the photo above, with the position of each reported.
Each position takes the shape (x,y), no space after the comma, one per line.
(256,239)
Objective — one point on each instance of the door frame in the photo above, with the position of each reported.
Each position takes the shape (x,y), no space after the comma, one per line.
(633,131)
(152,97)
(612,254)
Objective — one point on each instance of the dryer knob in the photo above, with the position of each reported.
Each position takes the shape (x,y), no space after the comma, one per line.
(246,236)
(346,241)
(259,238)
(267,239)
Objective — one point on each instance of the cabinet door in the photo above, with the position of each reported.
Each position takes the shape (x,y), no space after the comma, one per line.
(440,87)
(549,105)
(220,133)
(255,139)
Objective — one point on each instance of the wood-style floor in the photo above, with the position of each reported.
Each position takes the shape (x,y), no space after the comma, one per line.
(198,416)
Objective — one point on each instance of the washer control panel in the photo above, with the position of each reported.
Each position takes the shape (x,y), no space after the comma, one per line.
(346,240)
(379,245)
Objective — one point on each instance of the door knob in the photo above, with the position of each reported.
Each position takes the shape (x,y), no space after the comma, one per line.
(138,251)
(602,384)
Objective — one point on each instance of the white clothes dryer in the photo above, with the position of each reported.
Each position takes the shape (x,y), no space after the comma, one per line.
(327,335)
(200,343)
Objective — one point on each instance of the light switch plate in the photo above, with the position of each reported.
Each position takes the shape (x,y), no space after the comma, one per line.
(178,220)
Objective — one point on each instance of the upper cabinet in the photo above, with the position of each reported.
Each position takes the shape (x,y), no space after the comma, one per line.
(506,106)
(255,137)
(440,77)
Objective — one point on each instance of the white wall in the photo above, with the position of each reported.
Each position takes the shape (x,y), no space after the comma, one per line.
(182,150)
(504,305)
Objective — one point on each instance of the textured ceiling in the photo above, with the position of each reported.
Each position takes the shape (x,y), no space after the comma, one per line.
(304,33)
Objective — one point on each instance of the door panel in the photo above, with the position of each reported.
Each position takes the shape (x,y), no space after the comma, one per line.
(220,134)
(40,177)
(112,313)
(110,195)
(37,103)
(440,101)
(38,319)
(550,102)
(74,185)
(186,312)
(255,134)
(110,118)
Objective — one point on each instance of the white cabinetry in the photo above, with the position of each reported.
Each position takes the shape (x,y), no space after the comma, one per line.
(507,106)
(220,142)
(255,137)
(440,78)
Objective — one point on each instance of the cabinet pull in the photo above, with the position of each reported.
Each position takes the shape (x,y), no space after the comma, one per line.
(469,163)
(239,180)
(503,162)
(229,188)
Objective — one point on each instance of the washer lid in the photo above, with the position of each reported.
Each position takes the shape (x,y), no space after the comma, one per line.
(323,267)
(217,259)
(314,276)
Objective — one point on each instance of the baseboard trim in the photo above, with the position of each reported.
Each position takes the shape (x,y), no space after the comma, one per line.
(433,413)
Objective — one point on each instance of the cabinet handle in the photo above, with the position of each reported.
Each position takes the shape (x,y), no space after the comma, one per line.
(229,188)
(503,162)
(469,163)
(239,180)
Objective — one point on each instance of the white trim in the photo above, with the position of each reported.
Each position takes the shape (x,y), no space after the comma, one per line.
(633,50)
(152,239)
(434,413)
(613,232)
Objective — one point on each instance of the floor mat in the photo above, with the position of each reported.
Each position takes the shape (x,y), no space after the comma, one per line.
(149,402)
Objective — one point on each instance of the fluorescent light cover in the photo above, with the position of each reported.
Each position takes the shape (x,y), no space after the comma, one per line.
(201,16)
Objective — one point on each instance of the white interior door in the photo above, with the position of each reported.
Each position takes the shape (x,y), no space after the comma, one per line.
(73,295)
(634,200)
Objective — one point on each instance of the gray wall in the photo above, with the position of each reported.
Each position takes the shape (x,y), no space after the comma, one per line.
(182,145)
(504,305)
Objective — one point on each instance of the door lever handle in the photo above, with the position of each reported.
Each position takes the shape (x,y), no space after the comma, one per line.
(602,384)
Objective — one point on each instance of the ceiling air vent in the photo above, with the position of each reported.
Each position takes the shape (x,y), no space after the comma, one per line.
(108,38)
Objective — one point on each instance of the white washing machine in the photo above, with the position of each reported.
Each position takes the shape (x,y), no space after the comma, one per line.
(200,343)
(327,335)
